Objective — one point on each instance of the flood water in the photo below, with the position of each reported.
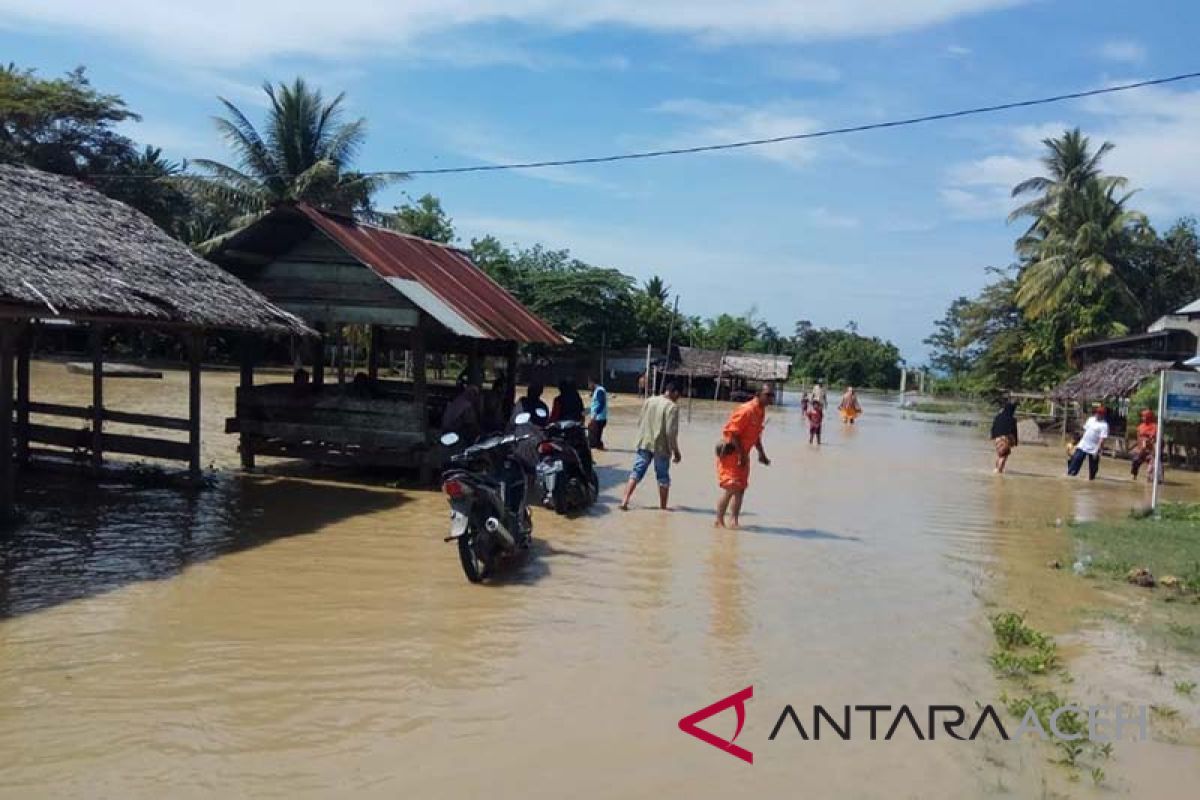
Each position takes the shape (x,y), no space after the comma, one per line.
(310,635)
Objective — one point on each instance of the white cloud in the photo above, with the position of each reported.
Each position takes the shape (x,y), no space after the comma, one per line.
(803,70)
(1124,51)
(822,217)
(1157,149)
(229,32)
(958,51)
(729,122)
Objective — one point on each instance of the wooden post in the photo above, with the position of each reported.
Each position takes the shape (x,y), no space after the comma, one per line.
(339,353)
(24,344)
(8,482)
(721,374)
(318,376)
(474,365)
(97,336)
(373,353)
(245,385)
(421,398)
(510,391)
(195,352)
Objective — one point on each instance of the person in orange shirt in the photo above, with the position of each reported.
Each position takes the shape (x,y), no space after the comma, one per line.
(742,433)
(1147,441)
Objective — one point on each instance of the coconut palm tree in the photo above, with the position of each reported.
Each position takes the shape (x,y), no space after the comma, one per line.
(1076,280)
(1070,166)
(300,155)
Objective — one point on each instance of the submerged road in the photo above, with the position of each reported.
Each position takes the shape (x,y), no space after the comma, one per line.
(286,637)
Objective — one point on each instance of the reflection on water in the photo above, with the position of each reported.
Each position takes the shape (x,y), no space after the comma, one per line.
(275,636)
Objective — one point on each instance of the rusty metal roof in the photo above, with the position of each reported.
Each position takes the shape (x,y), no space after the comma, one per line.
(439,279)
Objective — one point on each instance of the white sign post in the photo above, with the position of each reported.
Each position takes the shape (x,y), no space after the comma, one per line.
(1178,399)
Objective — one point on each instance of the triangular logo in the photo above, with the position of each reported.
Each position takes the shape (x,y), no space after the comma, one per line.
(738,701)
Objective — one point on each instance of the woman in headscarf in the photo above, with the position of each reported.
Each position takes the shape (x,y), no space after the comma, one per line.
(568,405)
(849,408)
(1147,441)
(1004,434)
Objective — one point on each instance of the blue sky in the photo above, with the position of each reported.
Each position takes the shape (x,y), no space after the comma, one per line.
(881,228)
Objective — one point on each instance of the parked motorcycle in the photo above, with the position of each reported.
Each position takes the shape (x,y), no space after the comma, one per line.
(486,484)
(566,471)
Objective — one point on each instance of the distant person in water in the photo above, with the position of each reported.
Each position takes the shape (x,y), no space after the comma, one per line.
(849,408)
(817,395)
(805,402)
(815,415)
(1147,442)
(1004,435)
(568,406)
(657,444)
(1095,431)
(742,433)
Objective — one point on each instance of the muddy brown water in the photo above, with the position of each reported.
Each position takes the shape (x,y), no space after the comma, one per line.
(284,636)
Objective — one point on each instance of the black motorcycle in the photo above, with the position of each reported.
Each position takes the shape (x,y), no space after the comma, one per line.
(487,487)
(565,469)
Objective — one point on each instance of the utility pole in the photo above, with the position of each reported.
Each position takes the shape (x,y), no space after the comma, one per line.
(670,337)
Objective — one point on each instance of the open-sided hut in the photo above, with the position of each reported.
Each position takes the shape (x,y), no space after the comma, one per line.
(720,373)
(68,252)
(409,293)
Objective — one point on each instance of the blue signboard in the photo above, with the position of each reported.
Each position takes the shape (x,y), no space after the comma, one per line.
(1183,396)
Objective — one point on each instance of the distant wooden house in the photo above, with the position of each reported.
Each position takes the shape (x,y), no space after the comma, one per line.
(68,253)
(725,374)
(410,294)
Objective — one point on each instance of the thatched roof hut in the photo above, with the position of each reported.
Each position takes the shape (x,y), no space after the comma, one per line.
(68,251)
(761,367)
(1115,378)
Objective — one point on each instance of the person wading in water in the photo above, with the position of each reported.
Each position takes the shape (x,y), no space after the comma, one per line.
(1095,431)
(657,443)
(1004,435)
(742,433)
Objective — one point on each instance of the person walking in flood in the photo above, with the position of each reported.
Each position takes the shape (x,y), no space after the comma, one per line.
(742,433)
(817,395)
(598,413)
(657,444)
(815,415)
(1095,431)
(1004,435)
(849,408)
(1147,441)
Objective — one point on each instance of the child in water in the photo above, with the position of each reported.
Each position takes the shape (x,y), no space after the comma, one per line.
(1071,445)
(815,417)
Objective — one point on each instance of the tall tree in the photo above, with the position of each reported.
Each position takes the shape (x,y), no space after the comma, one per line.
(950,352)
(302,154)
(424,217)
(1075,280)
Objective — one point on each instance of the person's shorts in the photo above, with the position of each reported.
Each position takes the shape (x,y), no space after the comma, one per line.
(641,465)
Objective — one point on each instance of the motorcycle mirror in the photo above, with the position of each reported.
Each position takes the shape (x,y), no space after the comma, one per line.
(522,418)
(450,438)
(541,412)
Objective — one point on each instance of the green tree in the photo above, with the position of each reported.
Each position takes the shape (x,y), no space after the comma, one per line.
(1077,281)
(302,154)
(653,314)
(950,353)
(425,218)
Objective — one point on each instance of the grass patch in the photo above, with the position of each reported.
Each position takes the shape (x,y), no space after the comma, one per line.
(1167,545)
(1021,650)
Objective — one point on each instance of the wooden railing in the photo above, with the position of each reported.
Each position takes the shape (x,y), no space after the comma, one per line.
(85,439)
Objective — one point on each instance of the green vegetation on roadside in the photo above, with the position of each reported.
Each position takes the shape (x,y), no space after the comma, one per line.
(1167,544)
(1028,660)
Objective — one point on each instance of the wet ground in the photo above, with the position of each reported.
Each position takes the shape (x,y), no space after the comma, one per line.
(273,636)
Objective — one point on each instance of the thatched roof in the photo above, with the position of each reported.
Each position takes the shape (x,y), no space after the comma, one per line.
(1113,378)
(749,366)
(68,251)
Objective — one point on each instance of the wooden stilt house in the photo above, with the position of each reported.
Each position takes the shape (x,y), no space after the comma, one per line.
(409,295)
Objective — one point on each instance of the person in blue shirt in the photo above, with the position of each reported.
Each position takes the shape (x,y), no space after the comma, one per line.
(598,413)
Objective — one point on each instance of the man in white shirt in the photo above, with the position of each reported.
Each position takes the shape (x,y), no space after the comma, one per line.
(1095,431)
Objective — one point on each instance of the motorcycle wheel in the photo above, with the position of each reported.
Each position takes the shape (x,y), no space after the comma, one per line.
(477,569)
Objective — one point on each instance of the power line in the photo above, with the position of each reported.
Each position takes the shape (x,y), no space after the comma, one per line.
(708,148)
(745,143)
